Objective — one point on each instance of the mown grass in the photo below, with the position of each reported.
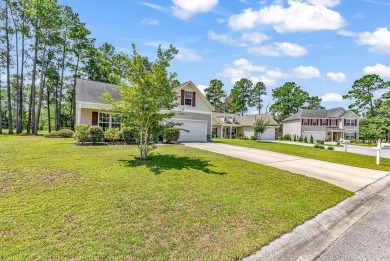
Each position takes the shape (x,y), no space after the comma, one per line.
(59,200)
(350,159)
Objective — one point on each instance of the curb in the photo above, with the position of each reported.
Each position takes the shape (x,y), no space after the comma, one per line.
(309,240)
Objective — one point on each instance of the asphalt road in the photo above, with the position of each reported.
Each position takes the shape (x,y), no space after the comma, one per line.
(368,239)
(351,178)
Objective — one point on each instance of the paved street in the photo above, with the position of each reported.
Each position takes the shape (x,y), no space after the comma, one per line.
(351,178)
(368,239)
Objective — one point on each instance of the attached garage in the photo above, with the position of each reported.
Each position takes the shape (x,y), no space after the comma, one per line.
(269,134)
(317,135)
(197,128)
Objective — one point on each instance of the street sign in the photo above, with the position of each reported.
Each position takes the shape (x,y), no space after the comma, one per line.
(345,142)
(380,146)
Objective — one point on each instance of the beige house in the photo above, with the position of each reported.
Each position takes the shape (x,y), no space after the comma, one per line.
(325,125)
(231,125)
(193,109)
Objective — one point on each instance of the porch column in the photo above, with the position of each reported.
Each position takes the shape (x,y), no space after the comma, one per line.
(230,131)
(222,131)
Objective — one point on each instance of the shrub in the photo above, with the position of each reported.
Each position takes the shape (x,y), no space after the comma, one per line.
(96,133)
(112,134)
(319,141)
(311,139)
(321,147)
(316,146)
(300,139)
(287,137)
(65,133)
(242,137)
(81,133)
(171,134)
(338,143)
(305,140)
(253,138)
(330,148)
(295,138)
(129,134)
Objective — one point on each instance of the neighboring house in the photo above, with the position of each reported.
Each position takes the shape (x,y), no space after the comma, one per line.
(193,109)
(325,125)
(231,125)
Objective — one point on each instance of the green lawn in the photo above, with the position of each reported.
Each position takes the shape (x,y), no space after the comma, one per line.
(59,200)
(350,159)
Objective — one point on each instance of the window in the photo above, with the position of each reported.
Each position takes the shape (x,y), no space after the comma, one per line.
(104,120)
(234,119)
(214,133)
(225,119)
(188,98)
(108,121)
(324,122)
(350,135)
(350,122)
(333,122)
(314,122)
(305,122)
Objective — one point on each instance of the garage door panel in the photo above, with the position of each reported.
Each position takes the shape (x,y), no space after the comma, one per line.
(316,135)
(197,130)
(269,134)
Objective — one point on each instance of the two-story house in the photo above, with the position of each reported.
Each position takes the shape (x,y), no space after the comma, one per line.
(325,125)
(193,111)
(227,125)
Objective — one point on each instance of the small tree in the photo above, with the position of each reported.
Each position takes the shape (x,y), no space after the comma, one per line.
(305,140)
(112,134)
(260,127)
(81,133)
(311,139)
(148,97)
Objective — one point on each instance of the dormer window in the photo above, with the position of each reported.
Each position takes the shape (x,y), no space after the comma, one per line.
(234,119)
(188,98)
(225,119)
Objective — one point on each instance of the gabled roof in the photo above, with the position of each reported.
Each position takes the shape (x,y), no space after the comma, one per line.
(246,120)
(200,94)
(320,114)
(91,91)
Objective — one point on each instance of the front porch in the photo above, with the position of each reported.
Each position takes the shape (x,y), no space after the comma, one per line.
(225,132)
(334,134)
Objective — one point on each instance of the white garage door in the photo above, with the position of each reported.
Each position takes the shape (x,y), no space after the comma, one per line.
(269,134)
(316,135)
(198,130)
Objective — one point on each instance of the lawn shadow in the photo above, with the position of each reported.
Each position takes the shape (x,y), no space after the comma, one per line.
(160,163)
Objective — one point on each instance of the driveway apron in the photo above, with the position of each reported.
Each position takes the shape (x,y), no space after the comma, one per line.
(348,177)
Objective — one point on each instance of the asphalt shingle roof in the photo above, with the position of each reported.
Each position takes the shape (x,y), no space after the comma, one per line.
(91,91)
(246,120)
(321,114)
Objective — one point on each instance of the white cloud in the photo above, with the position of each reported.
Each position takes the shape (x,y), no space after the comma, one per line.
(278,49)
(226,39)
(201,87)
(337,77)
(379,69)
(255,37)
(378,40)
(243,68)
(346,33)
(331,97)
(187,55)
(306,72)
(185,9)
(299,16)
(150,21)
(154,6)
(220,20)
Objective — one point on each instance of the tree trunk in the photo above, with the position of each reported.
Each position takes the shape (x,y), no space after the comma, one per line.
(48,109)
(1,115)
(8,61)
(73,121)
(58,112)
(42,85)
(31,108)
(20,125)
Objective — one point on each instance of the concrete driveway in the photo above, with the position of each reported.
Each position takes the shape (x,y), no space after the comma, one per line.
(351,178)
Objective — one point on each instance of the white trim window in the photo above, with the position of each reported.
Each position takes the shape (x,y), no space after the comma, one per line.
(107,120)
(350,122)
(324,122)
(333,122)
(314,122)
(305,121)
(188,98)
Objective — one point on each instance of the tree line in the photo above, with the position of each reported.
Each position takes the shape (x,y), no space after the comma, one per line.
(44,47)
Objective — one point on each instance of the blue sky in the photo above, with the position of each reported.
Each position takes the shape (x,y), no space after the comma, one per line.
(322,45)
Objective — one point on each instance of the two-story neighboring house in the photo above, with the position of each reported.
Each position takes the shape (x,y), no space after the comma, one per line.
(325,125)
(193,109)
(227,125)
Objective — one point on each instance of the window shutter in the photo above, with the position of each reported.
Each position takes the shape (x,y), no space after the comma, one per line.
(345,122)
(182,97)
(337,123)
(317,122)
(355,135)
(94,118)
(193,98)
(302,121)
(311,121)
(355,122)
(327,122)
